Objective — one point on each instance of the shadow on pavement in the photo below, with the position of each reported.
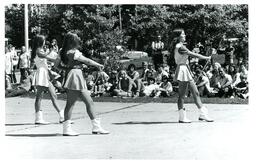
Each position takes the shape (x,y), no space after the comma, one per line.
(43,135)
(144,122)
(20,124)
(33,135)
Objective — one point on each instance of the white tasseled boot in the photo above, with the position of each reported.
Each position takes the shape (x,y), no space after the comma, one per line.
(67,130)
(183,116)
(39,118)
(96,127)
(61,116)
(204,115)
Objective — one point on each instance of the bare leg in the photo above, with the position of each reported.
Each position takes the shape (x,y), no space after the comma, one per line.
(72,96)
(195,94)
(96,126)
(53,95)
(39,96)
(90,108)
(182,91)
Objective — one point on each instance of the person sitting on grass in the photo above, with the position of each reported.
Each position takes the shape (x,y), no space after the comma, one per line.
(151,72)
(165,89)
(144,70)
(223,86)
(151,89)
(101,78)
(112,83)
(160,73)
(135,77)
(203,84)
(241,89)
(20,89)
(124,88)
(89,79)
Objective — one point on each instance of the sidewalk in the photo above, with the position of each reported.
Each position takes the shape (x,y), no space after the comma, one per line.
(138,131)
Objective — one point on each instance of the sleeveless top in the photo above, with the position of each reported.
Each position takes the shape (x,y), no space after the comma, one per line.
(180,54)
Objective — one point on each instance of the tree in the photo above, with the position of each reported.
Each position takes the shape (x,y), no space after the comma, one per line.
(14,18)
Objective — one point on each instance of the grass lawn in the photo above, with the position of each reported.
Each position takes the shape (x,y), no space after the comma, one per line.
(172,99)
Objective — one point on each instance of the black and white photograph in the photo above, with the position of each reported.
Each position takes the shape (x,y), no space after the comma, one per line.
(128,81)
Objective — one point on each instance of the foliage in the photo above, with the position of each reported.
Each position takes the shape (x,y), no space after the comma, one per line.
(14,17)
(99,25)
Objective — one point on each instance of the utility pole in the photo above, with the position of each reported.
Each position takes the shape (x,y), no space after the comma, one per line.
(120,17)
(136,15)
(26,27)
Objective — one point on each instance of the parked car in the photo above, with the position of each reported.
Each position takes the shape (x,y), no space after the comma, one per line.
(135,57)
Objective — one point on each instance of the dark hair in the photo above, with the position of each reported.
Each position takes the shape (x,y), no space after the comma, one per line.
(71,41)
(164,78)
(175,39)
(151,78)
(38,41)
(131,66)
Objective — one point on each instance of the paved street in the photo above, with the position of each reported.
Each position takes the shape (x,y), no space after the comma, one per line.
(138,131)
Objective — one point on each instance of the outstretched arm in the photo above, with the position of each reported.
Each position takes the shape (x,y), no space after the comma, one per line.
(79,57)
(184,50)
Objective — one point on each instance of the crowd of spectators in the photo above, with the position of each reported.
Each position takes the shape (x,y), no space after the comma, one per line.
(213,80)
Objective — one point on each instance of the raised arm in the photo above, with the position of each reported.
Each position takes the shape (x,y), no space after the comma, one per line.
(42,54)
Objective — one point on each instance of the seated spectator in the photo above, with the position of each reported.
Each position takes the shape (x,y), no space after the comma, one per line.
(20,89)
(166,68)
(241,89)
(89,79)
(151,72)
(101,78)
(203,84)
(243,71)
(144,70)
(112,83)
(223,86)
(159,74)
(124,88)
(215,74)
(135,77)
(234,74)
(208,71)
(151,89)
(165,89)
(8,82)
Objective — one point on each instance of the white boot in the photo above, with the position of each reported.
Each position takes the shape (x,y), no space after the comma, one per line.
(61,116)
(204,115)
(183,116)
(67,130)
(96,127)
(39,118)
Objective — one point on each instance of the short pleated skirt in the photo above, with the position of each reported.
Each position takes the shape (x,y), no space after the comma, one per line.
(183,73)
(75,80)
(41,77)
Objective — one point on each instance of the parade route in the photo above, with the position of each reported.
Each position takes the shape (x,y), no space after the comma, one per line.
(138,131)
